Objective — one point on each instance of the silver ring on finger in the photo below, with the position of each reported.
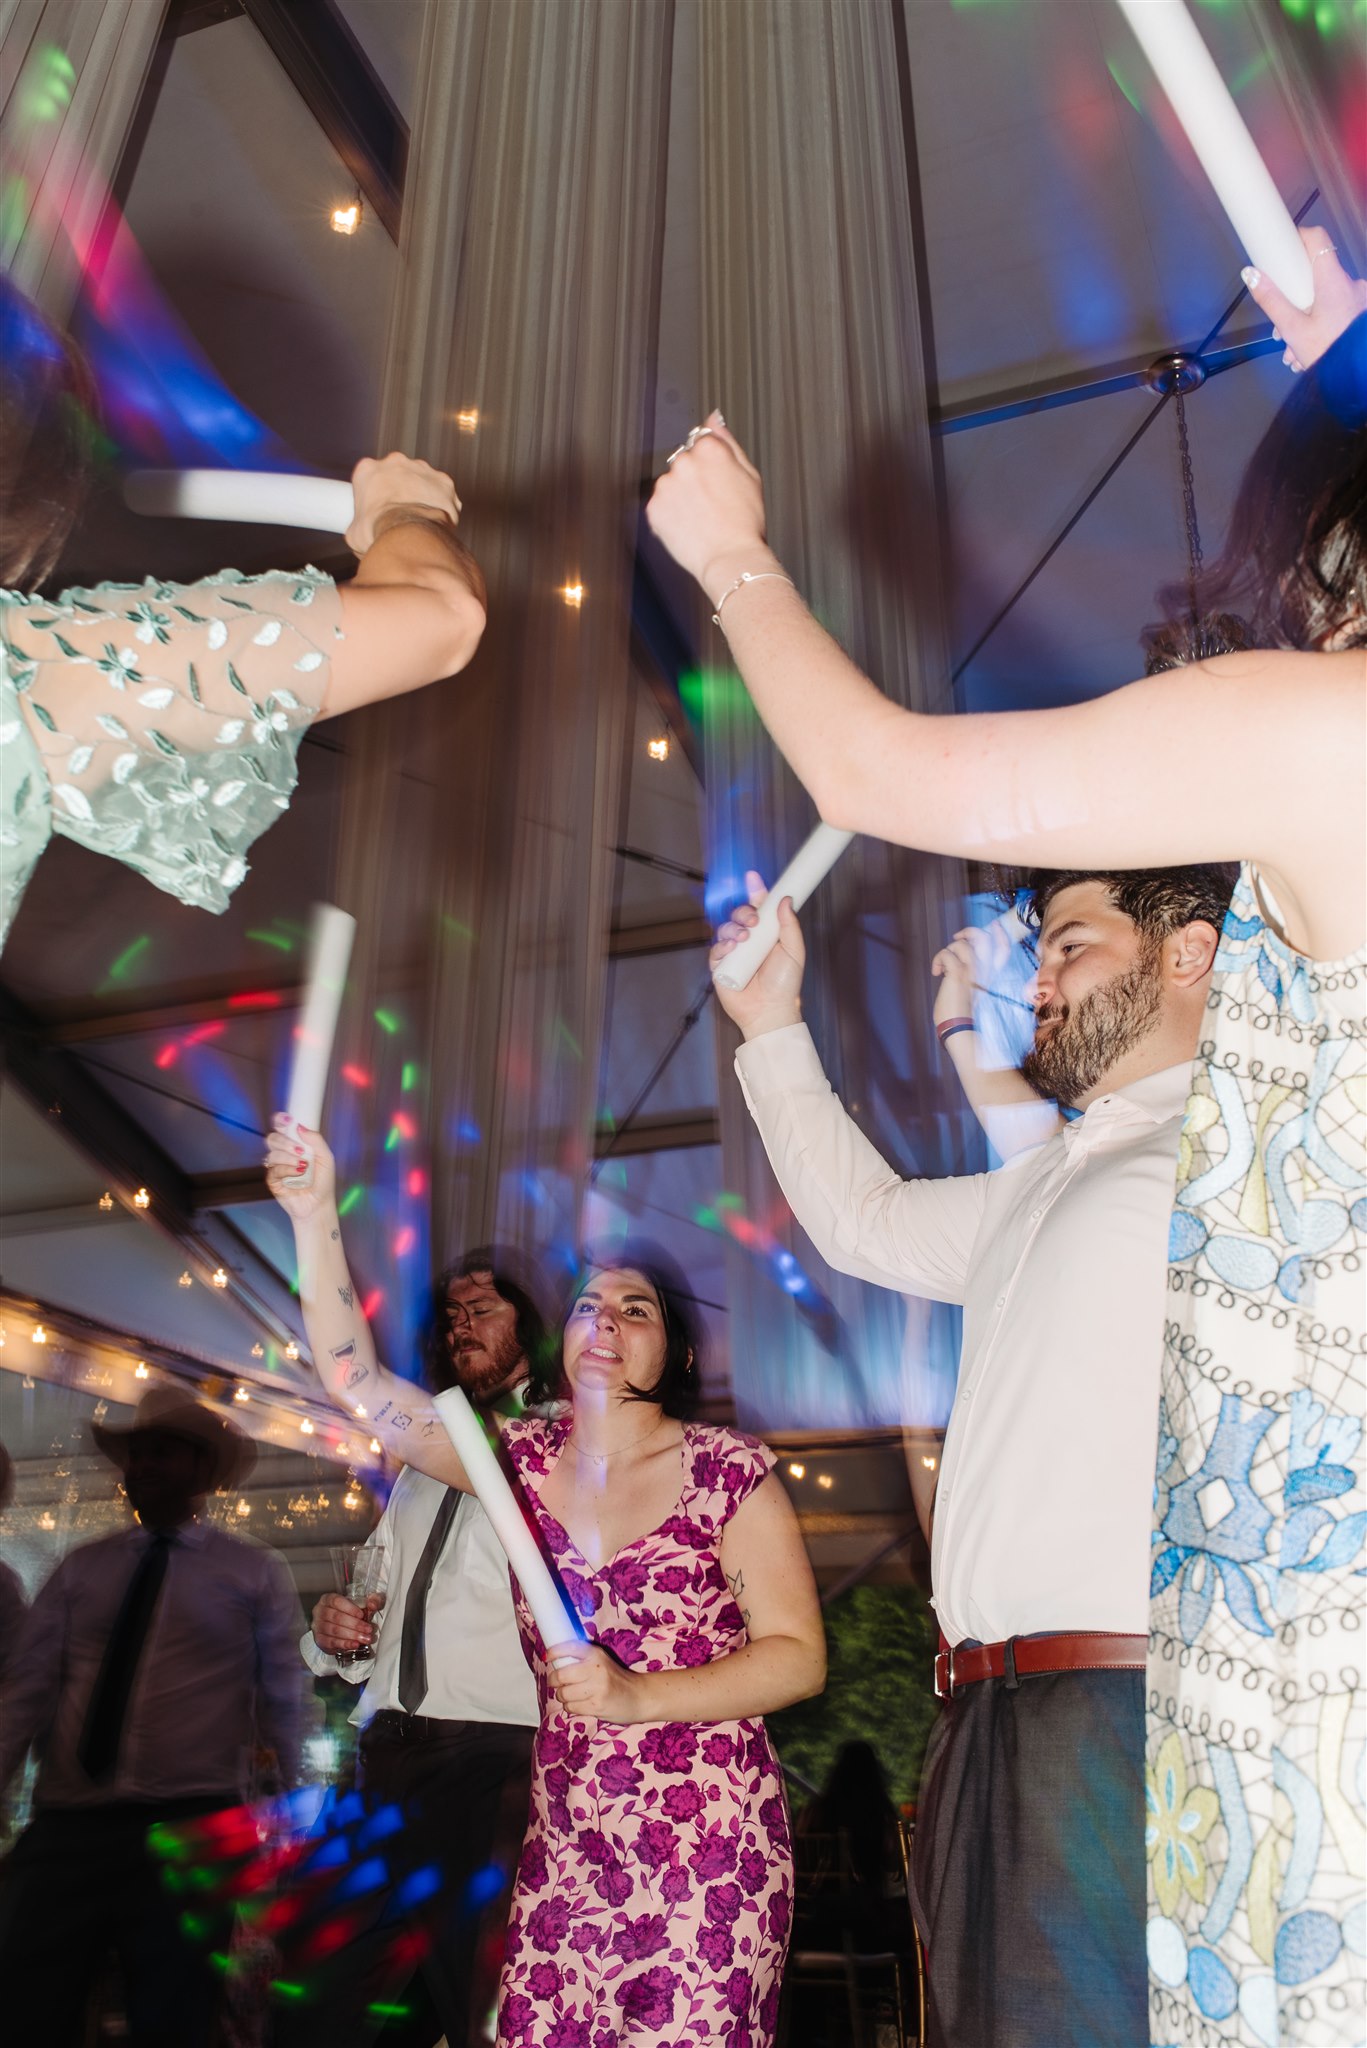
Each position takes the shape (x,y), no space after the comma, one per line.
(696,434)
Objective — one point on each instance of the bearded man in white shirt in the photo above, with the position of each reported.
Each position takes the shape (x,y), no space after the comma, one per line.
(447,1715)
(1029,1873)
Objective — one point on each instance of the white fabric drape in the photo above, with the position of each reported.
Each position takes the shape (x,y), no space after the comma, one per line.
(811,343)
(480,817)
(71,74)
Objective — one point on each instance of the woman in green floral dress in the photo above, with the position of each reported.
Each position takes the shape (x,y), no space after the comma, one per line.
(159,722)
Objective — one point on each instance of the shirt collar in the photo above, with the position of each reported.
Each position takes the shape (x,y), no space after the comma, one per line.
(192,1534)
(1153,1099)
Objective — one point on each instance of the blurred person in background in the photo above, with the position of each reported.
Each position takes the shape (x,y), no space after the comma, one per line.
(13,1605)
(849,1844)
(159,724)
(151,1667)
(449,1707)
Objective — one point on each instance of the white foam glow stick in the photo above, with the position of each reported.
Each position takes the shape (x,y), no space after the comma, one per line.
(496,1497)
(329,956)
(249,497)
(807,869)
(1229,156)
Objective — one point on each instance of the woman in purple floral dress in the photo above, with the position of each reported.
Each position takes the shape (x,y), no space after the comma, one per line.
(654,1893)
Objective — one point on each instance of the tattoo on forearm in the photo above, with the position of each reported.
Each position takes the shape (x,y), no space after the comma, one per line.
(348,1294)
(335,1235)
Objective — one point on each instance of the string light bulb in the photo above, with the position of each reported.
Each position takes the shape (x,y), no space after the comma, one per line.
(244,1507)
(306,1427)
(140,1371)
(824,1479)
(797,1471)
(220,1278)
(243,1394)
(106,1203)
(375,1445)
(468,420)
(257,1351)
(345,220)
(573,595)
(929,1463)
(185,1281)
(39,1334)
(658,749)
(142,1200)
(291,1349)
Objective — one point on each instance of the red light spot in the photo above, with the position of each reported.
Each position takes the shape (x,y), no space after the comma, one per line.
(373,1303)
(405,1241)
(166,1057)
(357,1076)
(417,1182)
(201,1032)
(255,999)
(404,1125)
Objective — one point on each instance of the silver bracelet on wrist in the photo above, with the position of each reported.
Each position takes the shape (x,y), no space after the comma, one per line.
(750,576)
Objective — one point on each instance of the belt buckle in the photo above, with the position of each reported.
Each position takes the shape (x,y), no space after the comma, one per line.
(943,1676)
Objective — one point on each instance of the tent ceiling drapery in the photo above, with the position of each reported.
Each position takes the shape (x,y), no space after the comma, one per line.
(1061,233)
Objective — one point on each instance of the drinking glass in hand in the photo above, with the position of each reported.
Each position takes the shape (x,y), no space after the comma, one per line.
(369,1577)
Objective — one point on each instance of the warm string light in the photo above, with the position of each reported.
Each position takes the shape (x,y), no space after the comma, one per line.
(140,1371)
(929,1464)
(39,1334)
(142,1200)
(468,420)
(106,1203)
(291,1349)
(219,1277)
(185,1281)
(824,1479)
(798,1471)
(344,220)
(573,595)
(242,1394)
(658,749)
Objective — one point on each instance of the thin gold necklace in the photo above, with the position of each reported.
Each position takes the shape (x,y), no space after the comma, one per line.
(602,1457)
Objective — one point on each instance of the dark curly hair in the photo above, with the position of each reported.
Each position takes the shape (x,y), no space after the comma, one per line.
(1157,900)
(537,1343)
(676,1389)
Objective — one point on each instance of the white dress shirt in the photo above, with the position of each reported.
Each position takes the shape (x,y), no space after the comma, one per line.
(475,1667)
(217,1674)
(1060,1261)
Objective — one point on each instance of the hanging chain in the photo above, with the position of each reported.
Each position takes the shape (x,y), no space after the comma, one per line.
(1195,559)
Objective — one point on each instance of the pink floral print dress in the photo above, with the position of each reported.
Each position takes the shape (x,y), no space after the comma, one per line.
(654,1895)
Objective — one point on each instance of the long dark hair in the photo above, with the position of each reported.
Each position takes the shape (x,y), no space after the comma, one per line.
(49,434)
(537,1344)
(1293,572)
(676,1389)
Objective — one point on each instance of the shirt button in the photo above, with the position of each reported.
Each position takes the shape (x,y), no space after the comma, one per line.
(1001,1301)
(1035,1215)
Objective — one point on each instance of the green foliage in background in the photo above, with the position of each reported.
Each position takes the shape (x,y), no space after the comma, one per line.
(881,1645)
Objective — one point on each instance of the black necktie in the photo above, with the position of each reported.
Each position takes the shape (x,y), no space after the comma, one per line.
(413,1647)
(99,1750)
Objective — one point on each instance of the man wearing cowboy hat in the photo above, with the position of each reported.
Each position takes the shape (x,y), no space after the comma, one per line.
(152,1664)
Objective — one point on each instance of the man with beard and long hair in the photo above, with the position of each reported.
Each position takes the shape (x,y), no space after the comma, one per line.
(447,1715)
(1029,1866)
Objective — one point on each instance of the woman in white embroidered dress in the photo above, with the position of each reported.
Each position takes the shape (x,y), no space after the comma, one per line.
(1256,1672)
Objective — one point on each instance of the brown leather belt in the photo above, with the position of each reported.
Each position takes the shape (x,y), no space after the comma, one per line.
(1035,1657)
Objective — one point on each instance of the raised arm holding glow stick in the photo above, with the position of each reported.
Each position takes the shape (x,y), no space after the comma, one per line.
(442,1436)
(1228,154)
(329,957)
(807,869)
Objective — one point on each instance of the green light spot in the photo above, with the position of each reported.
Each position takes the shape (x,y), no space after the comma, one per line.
(387,1021)
(284,1990)
(1326,17)
(1297,9)
(128,956)
(1122,85)
(350,1199)
(562,1030)
(191,1924)
(707,1219)
(729,1202)
(276,939)
(220,1961)
(393,1140)
(409,1078)
(1248,74)
(455,929)
(385,2009)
